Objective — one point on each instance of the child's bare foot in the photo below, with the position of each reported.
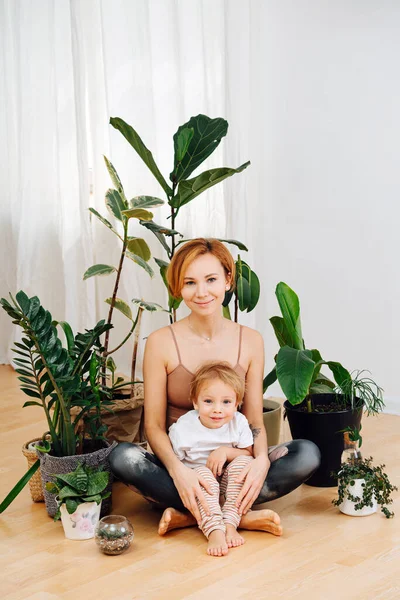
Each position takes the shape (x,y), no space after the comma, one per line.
(262,520)
(173,519)
(217,543)
(233,538)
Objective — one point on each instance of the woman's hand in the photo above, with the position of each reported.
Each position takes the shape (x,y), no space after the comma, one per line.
(216,460)
(253,475)
(188,482)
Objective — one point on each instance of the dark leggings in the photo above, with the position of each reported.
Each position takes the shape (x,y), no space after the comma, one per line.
(146,474)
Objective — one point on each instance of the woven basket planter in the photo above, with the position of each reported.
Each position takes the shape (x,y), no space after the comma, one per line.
(35,482)
(56,465)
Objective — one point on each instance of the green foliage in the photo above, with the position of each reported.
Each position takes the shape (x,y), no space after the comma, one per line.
(298,369)
(376,485)
(84,484)
(194,142)
(55,377)
(354,434)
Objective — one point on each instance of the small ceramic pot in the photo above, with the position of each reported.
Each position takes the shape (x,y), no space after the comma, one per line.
(347,506)
(81,524)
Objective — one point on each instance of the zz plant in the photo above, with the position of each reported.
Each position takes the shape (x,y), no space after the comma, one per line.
(57,379)
(376,484)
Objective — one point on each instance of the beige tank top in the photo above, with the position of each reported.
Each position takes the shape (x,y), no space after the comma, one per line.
(178,384)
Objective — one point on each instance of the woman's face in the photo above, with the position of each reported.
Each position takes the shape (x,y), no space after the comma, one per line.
(204,285)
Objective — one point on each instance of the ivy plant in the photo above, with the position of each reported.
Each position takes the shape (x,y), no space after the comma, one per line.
(376,485)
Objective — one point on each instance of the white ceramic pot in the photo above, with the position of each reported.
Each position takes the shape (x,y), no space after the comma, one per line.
(347,506)
(81,524)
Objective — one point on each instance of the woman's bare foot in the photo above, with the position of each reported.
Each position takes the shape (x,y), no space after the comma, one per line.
(262,520)
(173,519)
(217,543)
(233,538)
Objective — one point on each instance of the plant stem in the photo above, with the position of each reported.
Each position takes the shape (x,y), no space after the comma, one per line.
(309,405)
(135,347)
(236,308)
(114,296)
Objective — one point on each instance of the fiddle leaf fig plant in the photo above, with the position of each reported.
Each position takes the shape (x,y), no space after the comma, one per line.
(194,142)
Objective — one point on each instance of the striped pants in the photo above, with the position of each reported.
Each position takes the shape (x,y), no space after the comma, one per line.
(224,494)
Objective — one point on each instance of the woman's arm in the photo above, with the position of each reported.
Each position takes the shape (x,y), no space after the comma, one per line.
(255,473)
(186,481)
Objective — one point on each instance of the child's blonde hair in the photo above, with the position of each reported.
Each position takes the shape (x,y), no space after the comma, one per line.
(217,370)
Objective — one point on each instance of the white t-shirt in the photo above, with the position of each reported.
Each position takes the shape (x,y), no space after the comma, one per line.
(193,442)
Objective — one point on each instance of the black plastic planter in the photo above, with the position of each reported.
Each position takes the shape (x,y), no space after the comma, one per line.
(324,429)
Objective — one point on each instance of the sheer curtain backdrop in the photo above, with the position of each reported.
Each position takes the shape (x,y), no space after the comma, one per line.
(311,93)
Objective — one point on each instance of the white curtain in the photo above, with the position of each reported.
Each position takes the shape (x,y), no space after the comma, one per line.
(311,93)
(69,66)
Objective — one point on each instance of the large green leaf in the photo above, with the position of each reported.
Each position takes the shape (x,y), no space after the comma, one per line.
(139,247)
(115,178)
(137,144)
(139,261)
(104,221)
(290,308)
(243,292)
(189,189)
(207,134)
(145,202)
(269,379)
(115,204)
(240,245)
(19,486)
(122,306)
(281,332)
(295,369)
(254,285)
(150,306)
(138,213)
(99,270)
(340,374)
(181,143)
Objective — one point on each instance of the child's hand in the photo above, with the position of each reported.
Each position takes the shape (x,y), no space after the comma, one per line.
(217,460)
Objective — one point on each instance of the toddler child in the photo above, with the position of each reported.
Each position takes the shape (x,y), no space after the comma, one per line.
(215,440)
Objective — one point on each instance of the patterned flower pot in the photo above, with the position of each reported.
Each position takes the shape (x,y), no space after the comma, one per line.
(55,465)
(81,524)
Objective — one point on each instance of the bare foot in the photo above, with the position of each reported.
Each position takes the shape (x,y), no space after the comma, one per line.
(217,543)
(262,520)
(233,538)
(173,519)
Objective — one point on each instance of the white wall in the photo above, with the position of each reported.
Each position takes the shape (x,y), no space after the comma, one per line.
(326,130)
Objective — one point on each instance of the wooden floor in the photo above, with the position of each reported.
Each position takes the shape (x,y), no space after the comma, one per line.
(322,554)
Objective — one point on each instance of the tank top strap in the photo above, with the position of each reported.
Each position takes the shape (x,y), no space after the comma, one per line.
(240,344)
(176,345)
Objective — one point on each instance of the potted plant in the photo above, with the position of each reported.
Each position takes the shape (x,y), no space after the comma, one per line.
(58,379)
(194,142)
(361,487)
(79,495)
(317,408)
(124,419)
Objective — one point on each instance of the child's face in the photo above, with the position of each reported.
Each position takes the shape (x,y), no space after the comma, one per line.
(216,403)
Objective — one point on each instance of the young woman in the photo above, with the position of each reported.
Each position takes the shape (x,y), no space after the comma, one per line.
(200,273)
